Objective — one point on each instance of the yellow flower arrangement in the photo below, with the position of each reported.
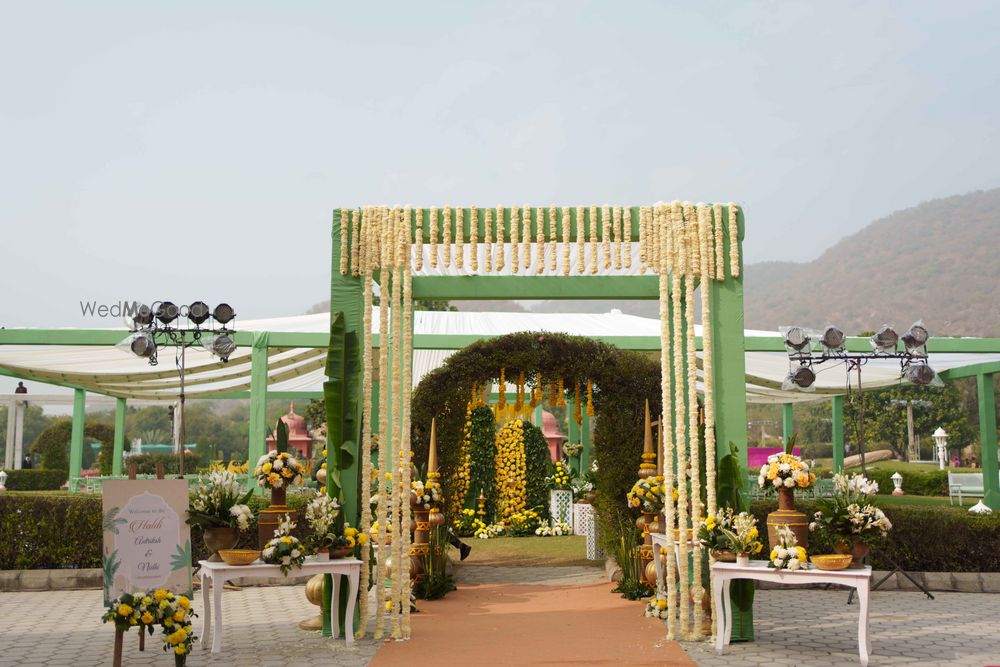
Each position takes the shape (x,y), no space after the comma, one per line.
(785,471)
(647,494)
(276,470)
(510,469)
(157,607)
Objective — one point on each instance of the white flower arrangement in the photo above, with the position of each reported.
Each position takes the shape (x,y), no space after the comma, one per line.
(494,530)
(788,555)
(557,529)
(785,471)
(221,502)
(284,549)
(275,471)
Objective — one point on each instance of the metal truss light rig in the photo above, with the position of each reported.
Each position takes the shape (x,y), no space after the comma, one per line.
(154,326)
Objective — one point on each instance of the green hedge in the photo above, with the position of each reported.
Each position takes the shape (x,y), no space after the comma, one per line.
(537,464)
(35,480)
(923,539)
(933,482)
(43,532)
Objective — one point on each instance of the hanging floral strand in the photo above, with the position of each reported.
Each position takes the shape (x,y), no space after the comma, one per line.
(459,238)
(593,239)
(447,237)
(565,241)
(366,434)
(526,237)
(590,398)
(627,263)
(502,389)
(616,236)
(474,238)
(345,225)
(691,228)
(356,243)
(539,240)
(606,236)
(680,407)
(406,327)
(734,245)
(581,236)
(720,264)
(667,396)
(577,412)
(386,493)
(498,265)
(419,243)
(515,246)
(488,255)
(434,237)
(553,248)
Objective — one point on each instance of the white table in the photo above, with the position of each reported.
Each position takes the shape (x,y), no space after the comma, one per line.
(214,575)
(660,541)
(757,569)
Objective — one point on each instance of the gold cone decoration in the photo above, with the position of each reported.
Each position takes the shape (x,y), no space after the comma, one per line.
(432,454)
(647,468)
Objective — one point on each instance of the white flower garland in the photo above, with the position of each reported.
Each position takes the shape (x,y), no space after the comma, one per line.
(406,326)
(720,265)
(540,240)
(498,265)
(419,255)
(459,237)
(526,237)
(593,239)
(565,240)
(366,435)
(474,238)
(643,240)
(692,240)
(345,221)
(447,237)
(616,236)
(553,248)
(734,241)
(385,492)
(356,242)
(489,241)
(581,236)
(627,263)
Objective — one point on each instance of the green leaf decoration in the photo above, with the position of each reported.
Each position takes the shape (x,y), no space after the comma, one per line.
(181,559)
(110,565)
(281,436)
(110,522)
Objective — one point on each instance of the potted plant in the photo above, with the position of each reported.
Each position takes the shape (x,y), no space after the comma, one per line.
(219,507)
(849,521)
(743,538)
(321,515)
(712,536)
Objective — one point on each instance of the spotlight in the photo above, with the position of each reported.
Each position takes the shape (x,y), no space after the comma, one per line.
(166,312)
(223,314)
(884,340)
(915,340)
(919,374)
(198,312)
(833,340)
(222,346)
(796,340)
(143,345)
(143,317)
(802,377)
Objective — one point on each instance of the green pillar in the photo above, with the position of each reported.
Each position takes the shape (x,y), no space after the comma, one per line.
(585,441)
(787,422)
(837,428)
(988,439)
(116,462)
(258,402)
(76,439)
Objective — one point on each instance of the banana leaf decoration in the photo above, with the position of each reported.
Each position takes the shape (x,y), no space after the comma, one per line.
(730,493)
(340,395)
(281,436)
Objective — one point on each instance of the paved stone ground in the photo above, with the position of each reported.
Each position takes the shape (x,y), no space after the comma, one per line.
(795,627)
(816,628)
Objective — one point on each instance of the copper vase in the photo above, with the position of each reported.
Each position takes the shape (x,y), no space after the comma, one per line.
(786,514)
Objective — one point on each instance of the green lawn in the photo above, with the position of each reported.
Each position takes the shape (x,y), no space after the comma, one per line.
(530,551)
(901,466)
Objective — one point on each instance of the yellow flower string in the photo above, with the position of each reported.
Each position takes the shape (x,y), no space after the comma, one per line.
(474,238)
(447,237)
(593,239)
(502,390)
(565,241)
(366,437)
(488,255)
(606,236)
(734,241)
(553,247)
(459,237)
(345,221)
(577,413)
(434,239)
(515,227)
(590,398)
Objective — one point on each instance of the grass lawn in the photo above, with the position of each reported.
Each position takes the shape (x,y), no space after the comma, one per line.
(530,551)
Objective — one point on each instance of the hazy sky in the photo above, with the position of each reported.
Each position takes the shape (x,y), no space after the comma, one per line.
(193,150)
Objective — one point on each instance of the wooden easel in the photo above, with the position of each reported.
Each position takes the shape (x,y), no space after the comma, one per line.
(119,633)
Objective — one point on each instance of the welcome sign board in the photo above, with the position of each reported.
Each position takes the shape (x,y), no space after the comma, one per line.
(147,543)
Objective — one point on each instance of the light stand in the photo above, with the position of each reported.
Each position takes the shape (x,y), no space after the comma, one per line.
(151,328)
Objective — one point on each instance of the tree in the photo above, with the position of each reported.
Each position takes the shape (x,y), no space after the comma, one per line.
(885,422)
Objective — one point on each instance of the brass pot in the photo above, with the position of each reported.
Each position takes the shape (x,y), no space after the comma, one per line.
(856,548)
(218,538)
(786,514)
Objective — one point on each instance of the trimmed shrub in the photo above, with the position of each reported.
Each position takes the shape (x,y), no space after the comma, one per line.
(35,480)
(537,462)
(482,455)
(52,444)
(932,482)
(923,539)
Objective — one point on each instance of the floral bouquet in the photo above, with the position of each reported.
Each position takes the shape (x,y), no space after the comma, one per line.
(657,606)
(284,549)
(742,536)
(560,477)
(486,532)
(785,471)
(171,612)
(557,529)
(572,449)
(787,555)
(373,531)
(646,495)
(219,503)
(277,471)
(427,494)
(711,530)
(321,515)
(466,524)
(849,515)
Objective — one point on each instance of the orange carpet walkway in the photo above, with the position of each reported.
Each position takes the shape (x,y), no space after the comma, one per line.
(525,624)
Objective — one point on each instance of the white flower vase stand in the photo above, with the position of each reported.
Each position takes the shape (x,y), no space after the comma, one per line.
(561,506)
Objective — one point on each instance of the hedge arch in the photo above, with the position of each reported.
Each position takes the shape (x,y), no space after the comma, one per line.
(623,380)
(52,444)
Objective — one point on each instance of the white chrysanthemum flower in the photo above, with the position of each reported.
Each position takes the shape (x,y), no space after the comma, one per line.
(773,458)
(789,482)
(784,467)
(777,562)
(776,481)
(278,465)
(296,553)
(794,564)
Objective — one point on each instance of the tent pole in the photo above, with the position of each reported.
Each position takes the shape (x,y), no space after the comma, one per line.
(116,462)
(988,439)
(258,402)
(787,422)
(837,432)
(76,439)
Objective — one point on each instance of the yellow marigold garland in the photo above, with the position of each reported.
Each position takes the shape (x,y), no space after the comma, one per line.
(510,469)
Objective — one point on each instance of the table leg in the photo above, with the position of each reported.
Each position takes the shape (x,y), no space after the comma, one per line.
(728,634)
(217,586)
(206,603)
(352,584)
(335,606)
(720,620)
(864,643)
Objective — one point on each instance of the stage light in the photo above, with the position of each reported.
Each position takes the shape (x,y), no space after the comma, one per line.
(143,317)
(915,340)
(919,374)
(222,346)
(223,314)
(796,340)
(833,340)
(143,345)
(803,377)
(198,312)
(884,340)
(166,312)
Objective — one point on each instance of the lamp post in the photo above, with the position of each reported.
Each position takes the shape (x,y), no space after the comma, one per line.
(941,440)
(156,325)
(897,482)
